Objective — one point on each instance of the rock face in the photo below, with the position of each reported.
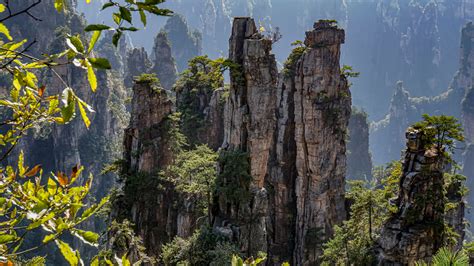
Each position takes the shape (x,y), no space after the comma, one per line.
(144,146)
(293,132)
(163,62)
(147,200)
(137,64)
(185,43)
(249,126)
(415,232)
(202,110)
(359,160)
(322,110)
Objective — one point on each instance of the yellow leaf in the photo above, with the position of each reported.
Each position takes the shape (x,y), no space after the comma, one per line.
(33,171)
(92,78)
(4,30)
(86,119)
(59,5)
(2,8)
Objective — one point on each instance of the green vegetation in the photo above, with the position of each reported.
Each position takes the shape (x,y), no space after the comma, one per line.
(447,257)
(193,174)
(233,181)
(289,67)
(53,207)
(370,208)
(347,72)
(203,248)
(440,132)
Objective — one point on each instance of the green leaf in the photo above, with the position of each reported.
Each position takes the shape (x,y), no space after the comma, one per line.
(95,261)
(68,253)
(125,14)
(92,78)
(142,17)
(4,30)
(86,119)
(125,261)
(94,208)
(117,18)
(97,27)
(100,63)
(41,221)
(5,238)
(69,101)
(128,28)
(116,38)
(87,237)
(21,167)
(75,44)
(94,38)
(107,5)
(48,238)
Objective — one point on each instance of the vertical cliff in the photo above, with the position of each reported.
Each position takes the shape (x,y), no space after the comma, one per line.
(292,128)
(147,200)
(249,126)
(137,63)
(359,159)
(322,111)
(163,62)
(415,231)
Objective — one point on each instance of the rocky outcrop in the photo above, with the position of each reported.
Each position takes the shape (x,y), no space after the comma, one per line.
(147,200)
(185,43)
(415,231)
(137,63)
(163,61)
(293,132)
(249,126)
(322,111)
(359,159)
(144,145)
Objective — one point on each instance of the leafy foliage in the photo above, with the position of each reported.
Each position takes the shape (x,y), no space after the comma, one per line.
(26,205)
(441,132)
(193,174)
(29,202)
(447,257)
(202,248)
(234,179)
(370,208)
(289,67)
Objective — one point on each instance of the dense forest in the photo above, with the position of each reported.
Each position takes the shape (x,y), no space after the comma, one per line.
(244,132)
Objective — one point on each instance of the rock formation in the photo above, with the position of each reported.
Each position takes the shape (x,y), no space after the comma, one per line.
(322,111)
(185,43)
(249,126)
(137,63)
(359,160)
(163,62)
(293,133)
(147,200)
(202,111)
(415,231)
